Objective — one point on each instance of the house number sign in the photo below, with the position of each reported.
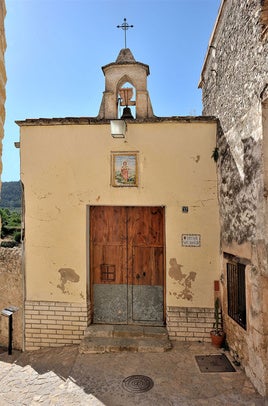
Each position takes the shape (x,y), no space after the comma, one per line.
(191,240)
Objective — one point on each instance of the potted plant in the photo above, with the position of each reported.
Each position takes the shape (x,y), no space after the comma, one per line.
(217,334)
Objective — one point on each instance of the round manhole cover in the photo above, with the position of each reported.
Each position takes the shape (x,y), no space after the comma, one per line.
(138,383)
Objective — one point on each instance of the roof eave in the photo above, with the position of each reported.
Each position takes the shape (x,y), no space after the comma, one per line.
(126,63)
(211,42)
(95,121)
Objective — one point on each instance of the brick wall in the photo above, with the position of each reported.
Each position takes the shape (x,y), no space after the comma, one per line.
(190,323)
(53,324)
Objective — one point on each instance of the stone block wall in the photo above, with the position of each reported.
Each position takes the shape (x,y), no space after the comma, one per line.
(189,323)
(249,346)
(54,324)
(233,83)
(235,71)
(11,293)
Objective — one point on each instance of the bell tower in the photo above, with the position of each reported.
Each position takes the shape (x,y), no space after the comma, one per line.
(135,99)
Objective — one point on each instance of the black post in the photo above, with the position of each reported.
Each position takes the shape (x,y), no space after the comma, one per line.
(10,335)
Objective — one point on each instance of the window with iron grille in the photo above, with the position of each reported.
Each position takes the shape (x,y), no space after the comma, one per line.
(236,292)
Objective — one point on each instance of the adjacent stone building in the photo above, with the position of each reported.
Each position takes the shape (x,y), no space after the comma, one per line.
(121,217)
(234,83)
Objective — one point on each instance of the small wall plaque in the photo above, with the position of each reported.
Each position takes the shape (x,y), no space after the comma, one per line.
(191,240)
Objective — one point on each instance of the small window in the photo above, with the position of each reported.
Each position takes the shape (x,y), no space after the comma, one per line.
(236,291)
(107,273)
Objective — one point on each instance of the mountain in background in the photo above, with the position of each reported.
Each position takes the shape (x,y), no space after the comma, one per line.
(10,196)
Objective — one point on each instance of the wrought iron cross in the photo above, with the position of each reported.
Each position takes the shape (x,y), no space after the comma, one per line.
(125,26)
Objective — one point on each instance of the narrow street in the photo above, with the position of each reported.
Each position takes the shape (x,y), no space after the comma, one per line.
(63,376)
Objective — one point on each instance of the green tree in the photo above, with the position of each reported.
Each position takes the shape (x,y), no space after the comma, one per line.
(11,223)
(10,196)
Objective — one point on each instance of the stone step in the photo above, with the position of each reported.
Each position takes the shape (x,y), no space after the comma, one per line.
(99,345)
(115,338)
(124,330)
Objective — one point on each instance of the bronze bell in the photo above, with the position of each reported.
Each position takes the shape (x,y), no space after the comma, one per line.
(127,115)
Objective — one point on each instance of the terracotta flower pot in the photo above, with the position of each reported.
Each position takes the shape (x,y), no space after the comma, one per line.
(217,339)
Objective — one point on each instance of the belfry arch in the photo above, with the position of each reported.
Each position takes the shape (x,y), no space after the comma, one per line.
(125,69)
(126,98)
(126,79)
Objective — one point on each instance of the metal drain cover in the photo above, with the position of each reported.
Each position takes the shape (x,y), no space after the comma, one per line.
(214,363)
(137,383)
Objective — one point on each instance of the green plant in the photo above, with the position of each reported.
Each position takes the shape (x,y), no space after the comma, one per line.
(9,244)
(217,326)
(11,222)
(215,154)
(17,236)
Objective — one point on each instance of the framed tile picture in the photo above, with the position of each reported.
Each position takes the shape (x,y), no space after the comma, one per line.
(124,169)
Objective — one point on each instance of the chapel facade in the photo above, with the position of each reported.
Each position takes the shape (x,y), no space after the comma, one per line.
(120,217)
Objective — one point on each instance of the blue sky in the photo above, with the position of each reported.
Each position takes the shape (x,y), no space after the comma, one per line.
(56,48)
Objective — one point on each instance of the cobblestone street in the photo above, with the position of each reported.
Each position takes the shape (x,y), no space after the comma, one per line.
(62,376)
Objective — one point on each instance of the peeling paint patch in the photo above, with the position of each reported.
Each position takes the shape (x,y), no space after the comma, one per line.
(67,275)
(183,280)
(196,158)
(81,295)
(175,270)
(44,196)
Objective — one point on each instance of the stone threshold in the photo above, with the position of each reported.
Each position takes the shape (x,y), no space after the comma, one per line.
(116,338)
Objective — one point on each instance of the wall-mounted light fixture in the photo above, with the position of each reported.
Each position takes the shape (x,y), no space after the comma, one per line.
(118,128)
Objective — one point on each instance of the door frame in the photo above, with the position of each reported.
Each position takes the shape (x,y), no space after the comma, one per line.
(90,296)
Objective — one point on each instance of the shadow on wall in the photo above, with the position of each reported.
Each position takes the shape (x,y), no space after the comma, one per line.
(11,294)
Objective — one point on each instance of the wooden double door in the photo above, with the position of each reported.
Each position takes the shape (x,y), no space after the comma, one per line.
(127,264)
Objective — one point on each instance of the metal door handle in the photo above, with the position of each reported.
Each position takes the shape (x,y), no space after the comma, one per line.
(144,273)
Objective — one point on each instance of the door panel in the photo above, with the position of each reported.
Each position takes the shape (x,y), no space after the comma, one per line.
(108,264)
(127,264)
(147,304)
(146,244)
(147,287)
(110,304)
(148,266)
(145,225)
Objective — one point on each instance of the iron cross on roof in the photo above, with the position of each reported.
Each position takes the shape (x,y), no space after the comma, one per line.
(125,26)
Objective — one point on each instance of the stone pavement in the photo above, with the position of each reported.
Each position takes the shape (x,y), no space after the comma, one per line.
(63,376)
